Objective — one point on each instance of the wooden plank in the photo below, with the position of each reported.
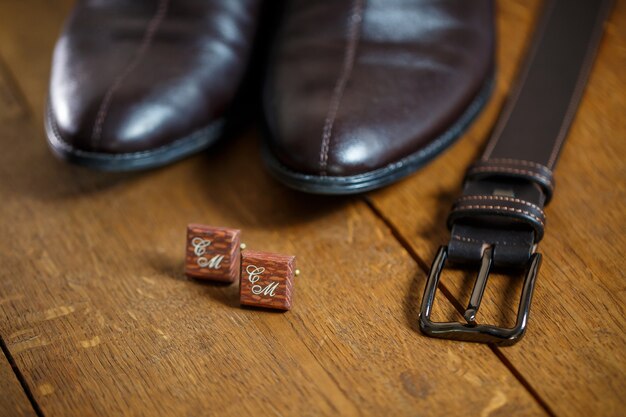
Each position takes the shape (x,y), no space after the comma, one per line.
(574,354)
(95,306)
(98,307)
(13,401)
(30,29)
(12,105)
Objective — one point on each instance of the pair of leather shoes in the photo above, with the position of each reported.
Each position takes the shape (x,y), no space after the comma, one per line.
(357,94)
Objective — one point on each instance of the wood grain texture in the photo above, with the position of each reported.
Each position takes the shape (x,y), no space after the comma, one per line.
(106,317)
(267,279)
(101,320)
(13,400)
(11,102)
(574,353)
(213,253)
(96,306)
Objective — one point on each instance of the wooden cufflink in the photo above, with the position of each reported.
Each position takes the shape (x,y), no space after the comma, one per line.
(267,279)
(213,253)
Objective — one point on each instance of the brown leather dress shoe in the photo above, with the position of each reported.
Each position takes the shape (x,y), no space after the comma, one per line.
(361,93)
(138,84)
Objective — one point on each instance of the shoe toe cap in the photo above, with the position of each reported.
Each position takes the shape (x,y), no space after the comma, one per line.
(346,107)
(377,122)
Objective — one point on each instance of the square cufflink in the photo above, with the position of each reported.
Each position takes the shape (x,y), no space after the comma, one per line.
(267,279)
(212,253)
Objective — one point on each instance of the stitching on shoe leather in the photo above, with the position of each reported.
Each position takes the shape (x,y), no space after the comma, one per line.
(441,141)
(354,30)
(103,110)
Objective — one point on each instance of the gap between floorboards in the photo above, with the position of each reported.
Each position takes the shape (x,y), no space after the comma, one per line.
(457,305)
(21,379)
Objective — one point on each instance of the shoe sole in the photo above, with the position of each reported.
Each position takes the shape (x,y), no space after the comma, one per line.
(131,161)
(354,184)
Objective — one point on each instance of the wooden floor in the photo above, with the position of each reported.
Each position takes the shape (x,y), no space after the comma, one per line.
(97,318)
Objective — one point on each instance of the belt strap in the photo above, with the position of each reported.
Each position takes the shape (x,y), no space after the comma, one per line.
(499,219)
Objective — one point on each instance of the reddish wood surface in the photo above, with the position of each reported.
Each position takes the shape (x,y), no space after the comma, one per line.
(267,280)
(212,253)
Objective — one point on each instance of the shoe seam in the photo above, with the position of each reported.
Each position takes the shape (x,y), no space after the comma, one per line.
(105,105)
(354,32)
(441,141)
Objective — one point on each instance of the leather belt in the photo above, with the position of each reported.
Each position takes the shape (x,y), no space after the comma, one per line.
(500,217)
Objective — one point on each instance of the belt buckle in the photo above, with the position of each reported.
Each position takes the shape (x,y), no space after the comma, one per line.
(471,331)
